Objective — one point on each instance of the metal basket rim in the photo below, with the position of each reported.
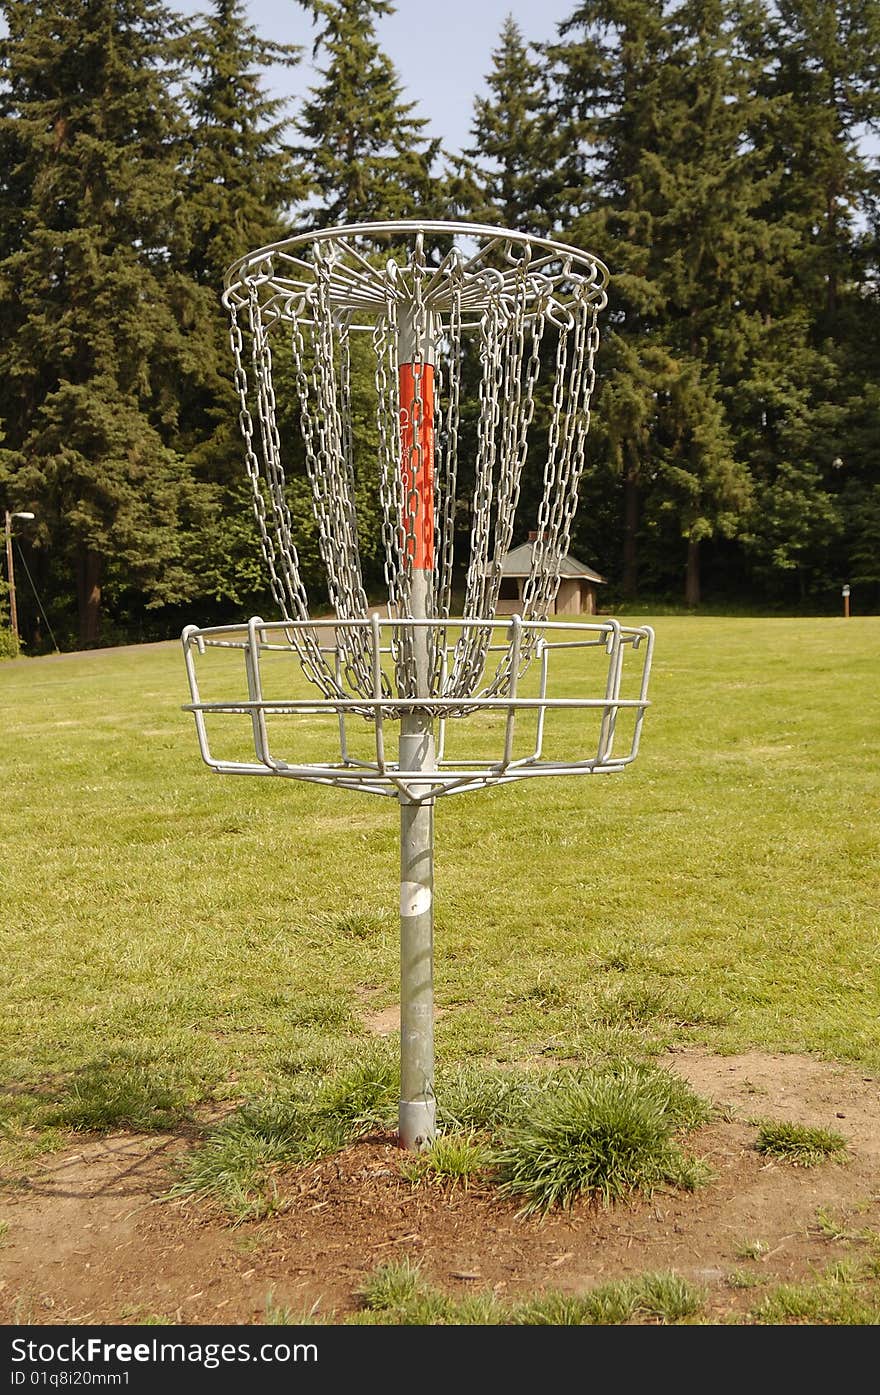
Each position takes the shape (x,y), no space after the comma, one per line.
(414,226)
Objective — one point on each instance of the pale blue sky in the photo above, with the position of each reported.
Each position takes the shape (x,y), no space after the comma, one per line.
(442,49)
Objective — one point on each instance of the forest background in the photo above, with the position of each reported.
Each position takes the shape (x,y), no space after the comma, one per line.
(716,155)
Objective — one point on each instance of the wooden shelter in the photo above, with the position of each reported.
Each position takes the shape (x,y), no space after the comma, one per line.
(577,585)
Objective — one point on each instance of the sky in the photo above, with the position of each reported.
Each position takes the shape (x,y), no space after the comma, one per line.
(442,50)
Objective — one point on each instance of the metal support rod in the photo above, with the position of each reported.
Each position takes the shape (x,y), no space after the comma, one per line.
(416,748)
(417,1106)
(10,573)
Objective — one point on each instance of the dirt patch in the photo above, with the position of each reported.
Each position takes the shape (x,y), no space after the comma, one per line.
(91,1238)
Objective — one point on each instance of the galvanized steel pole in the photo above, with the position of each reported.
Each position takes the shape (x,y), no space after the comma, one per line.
(417,1112)
(10,573)
(417,1115)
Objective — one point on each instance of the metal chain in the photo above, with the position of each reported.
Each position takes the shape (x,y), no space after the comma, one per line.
(252,464)
(337,520)
(311,660)
(470,650)
(507,293)
(390,476)
(520,399)
(446,525)
(565,461)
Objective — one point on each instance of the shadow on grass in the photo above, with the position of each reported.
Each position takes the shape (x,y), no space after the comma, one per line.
(121,1090)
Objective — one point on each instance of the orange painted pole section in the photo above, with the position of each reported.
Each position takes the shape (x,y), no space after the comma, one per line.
(416,383)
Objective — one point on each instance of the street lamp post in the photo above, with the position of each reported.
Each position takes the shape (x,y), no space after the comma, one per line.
(13,610)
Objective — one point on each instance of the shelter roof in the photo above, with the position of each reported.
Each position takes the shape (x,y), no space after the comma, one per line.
(518,562)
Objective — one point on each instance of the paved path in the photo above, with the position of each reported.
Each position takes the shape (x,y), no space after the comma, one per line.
(92,653)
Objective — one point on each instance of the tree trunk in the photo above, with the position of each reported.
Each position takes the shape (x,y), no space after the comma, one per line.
(630,529)
(692,575)
(89,566)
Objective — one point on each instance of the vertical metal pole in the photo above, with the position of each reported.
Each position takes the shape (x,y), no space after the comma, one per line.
(417,1112)
(13,609)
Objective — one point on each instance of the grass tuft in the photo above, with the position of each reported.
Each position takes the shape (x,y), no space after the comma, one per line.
(751,1249)
(235,1167)
(453,1160)
(745,1278)
(842,1297)
(276,1315)
(471,1099)
(601,1135)
(832,1229)
(668,1298)
(800,1144)
(398,1293)
(363,925)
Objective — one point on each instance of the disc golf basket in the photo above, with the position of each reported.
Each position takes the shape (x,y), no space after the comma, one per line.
(438,340)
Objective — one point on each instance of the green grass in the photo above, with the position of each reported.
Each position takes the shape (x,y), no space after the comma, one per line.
(237,1163)
(751,1249)
(452,1161)
(618,1135)
(803,1145)
(828,1226)
(745,1278)
(602,1136)
(398,1294)
(230,935)
(123,1091)
(847,1295)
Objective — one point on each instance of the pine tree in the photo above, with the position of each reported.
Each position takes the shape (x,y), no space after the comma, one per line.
(607,64)
(824,74)
(364,153)
(819,65)
(516,160)
(240,185)
(241,181)
(654,101)
(93,352)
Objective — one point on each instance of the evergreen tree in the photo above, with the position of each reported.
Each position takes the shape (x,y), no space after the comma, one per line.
(820,79)
(240,183)
(365,153)
(823,73)
(799,520)
(93,353)
(517,155)
(653,99)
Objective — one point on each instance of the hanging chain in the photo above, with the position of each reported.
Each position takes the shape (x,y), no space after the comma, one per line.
(252,464)
(449,459)
(520,400)
(572,391)
(292,588)
(506,294)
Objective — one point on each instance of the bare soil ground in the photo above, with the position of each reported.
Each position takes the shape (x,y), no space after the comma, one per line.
(90,1238)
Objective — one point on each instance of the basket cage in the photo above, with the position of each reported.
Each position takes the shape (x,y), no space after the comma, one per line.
(585,692)
(410,373)
(389,373)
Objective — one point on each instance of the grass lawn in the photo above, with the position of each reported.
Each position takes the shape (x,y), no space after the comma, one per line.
(220,934)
